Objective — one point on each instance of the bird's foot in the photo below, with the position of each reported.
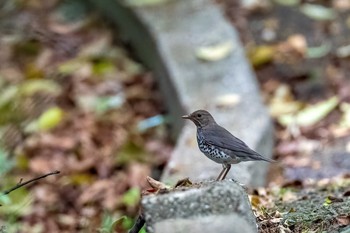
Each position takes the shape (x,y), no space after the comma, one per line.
(240,184)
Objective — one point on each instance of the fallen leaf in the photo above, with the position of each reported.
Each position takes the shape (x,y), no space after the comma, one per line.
(71,66)
(215,52)
(156,184)
(50,118)
(46,193)
(282,102)
(228,100)
(183,183)
(67,219)
(335,199)
(343,220)
(311,114)
(318,12)
(345,118)
(298,43)
(7,95)
(287,2)
(319,51)
(327,202)
(343,51)
(261,55)
(97,47)
(97,191)
(31,87)
(255,201)
(137,174)
(104,104)
(341,5)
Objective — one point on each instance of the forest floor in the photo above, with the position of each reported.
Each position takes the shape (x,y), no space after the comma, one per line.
(73,99)
(300,51)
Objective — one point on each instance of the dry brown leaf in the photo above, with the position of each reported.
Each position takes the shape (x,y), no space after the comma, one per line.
(43,164)
(343,220)
(107,191)
(137,174)
(156,184)
(46,194)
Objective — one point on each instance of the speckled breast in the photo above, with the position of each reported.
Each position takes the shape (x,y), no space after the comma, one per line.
(212,152)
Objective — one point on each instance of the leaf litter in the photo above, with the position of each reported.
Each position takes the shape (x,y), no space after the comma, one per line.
(75,101)
(303,72)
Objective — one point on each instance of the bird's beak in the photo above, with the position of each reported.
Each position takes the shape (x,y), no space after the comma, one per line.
(186,117)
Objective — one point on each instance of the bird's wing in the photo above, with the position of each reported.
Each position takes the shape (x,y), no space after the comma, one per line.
(220,137)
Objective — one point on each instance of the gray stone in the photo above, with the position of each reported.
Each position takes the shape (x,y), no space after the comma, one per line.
(217,223)
(167,36)
(213,207)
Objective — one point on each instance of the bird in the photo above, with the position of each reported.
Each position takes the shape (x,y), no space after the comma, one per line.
(220,145)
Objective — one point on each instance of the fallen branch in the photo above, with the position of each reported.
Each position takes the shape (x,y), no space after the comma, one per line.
(20,184)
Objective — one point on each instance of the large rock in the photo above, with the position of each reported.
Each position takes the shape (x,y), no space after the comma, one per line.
(167,36)
(213,207)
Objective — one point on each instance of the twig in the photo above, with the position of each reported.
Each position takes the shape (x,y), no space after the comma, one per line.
(138,224)
(20,184)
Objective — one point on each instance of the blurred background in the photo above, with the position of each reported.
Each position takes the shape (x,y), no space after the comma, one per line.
(74,98)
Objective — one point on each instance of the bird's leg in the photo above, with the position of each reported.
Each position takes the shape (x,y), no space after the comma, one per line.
(223,173)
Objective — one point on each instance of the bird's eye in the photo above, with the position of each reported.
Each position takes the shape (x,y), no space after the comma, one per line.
(199,115)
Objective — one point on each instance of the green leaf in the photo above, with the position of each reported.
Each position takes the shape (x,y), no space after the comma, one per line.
(103,66)
(143,230)
(131,152)
(288,2)
(311,114)
(100,104)
(71,66)
(318,52)
(5,163)
(31,87)
(327,202)
(81,179)
(318,12)
(345,119)
(17,203)
(50,118)
(7,95)
(127,223)
(108,223)
(132,197)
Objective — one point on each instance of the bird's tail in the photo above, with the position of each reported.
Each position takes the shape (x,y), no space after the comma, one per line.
(267,159)
(257,156)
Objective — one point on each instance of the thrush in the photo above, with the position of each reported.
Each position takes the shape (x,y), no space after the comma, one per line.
(220,145)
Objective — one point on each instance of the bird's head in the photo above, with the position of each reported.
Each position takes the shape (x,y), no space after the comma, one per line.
(201,118)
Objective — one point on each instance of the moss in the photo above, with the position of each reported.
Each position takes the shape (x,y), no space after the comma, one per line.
(315,210)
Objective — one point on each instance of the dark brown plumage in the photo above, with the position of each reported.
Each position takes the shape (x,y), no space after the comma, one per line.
(220,145)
